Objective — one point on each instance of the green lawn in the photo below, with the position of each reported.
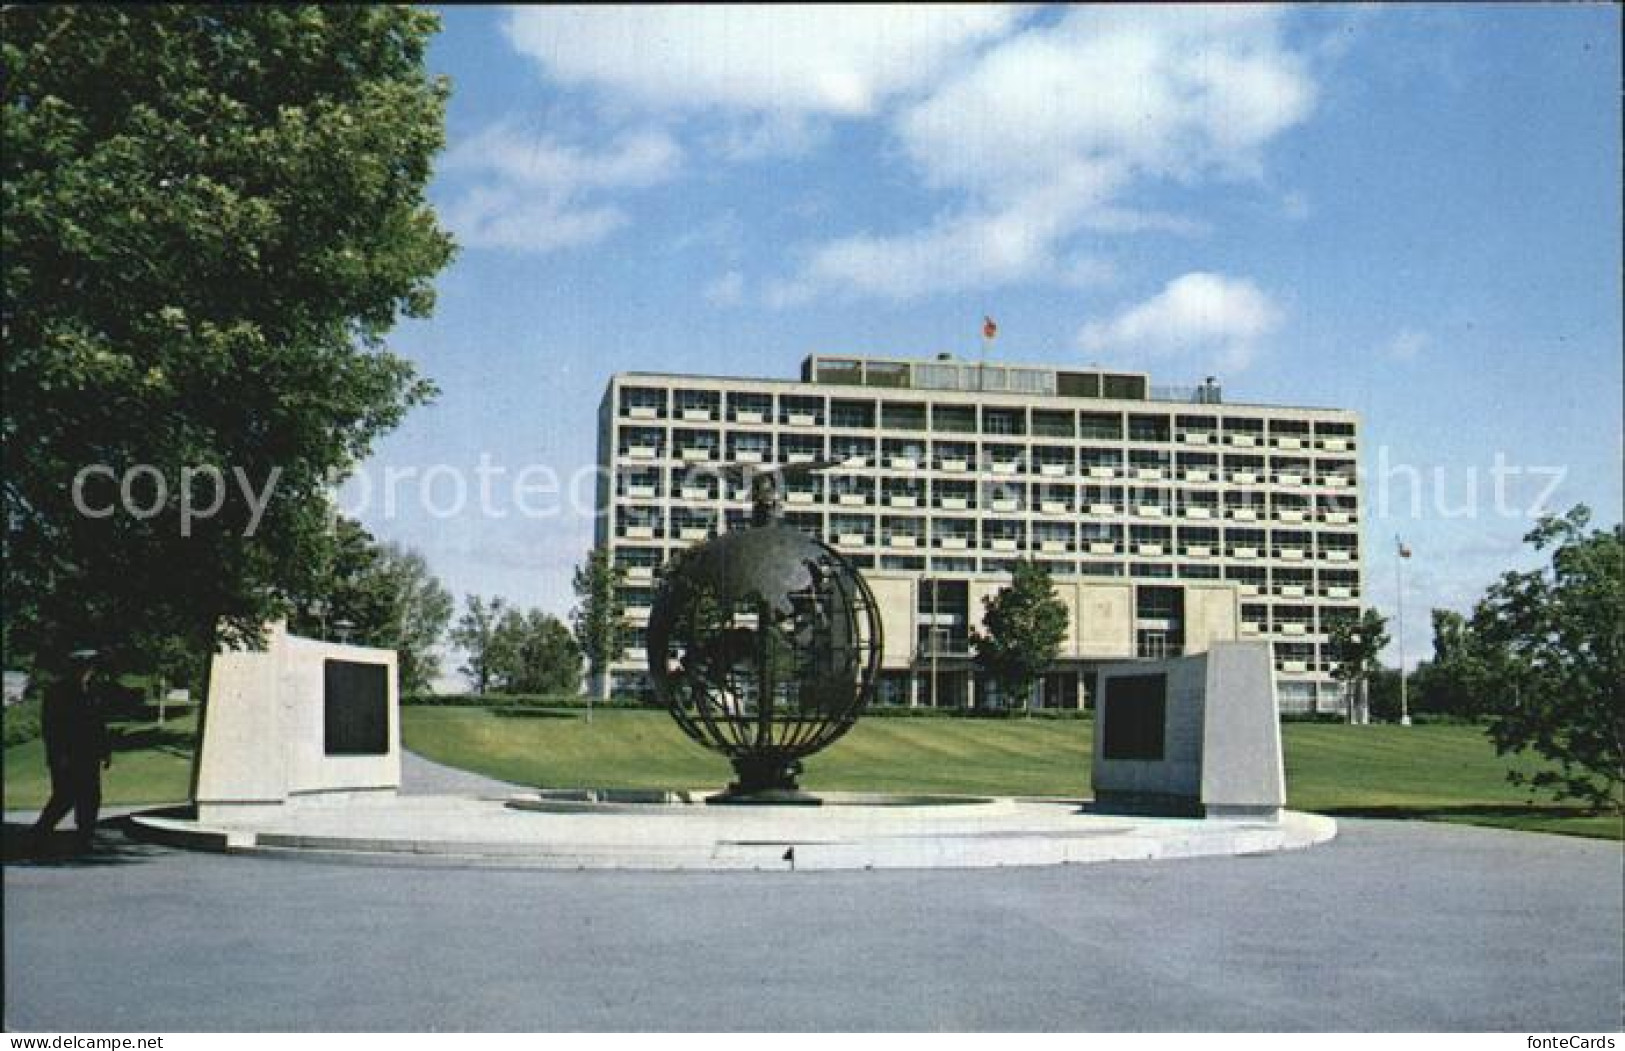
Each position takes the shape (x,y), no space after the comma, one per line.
(151,764)
(1445,773)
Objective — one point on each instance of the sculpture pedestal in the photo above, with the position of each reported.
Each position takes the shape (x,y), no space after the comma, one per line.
(733,795)
(1191,736)
(764,780)
(301,720)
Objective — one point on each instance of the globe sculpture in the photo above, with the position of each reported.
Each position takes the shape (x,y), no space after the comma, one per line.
(764,644)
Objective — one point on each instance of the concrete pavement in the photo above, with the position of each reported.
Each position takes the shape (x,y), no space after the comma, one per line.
(1392,926)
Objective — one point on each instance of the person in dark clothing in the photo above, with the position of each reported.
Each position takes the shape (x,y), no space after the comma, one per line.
(77,748)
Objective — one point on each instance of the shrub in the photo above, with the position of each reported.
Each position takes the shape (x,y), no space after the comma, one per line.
(900,712)
(22,722)
(1313,717)
(517,700)
(1444,719)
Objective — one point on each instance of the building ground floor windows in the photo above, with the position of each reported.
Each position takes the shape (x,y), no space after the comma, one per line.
(1071,685)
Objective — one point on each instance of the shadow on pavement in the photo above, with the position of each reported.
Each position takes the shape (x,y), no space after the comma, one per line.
(110,846)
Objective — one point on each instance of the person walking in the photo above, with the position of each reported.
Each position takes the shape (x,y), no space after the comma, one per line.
(77,748)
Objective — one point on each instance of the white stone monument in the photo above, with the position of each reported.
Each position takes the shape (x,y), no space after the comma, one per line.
(300,722)
(1191,736)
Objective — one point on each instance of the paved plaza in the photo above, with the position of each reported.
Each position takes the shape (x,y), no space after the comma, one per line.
(1391,926)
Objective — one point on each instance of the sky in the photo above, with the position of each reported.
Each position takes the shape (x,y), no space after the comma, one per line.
(1412,212)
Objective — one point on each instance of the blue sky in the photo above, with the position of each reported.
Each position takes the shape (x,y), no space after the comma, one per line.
(1413,212)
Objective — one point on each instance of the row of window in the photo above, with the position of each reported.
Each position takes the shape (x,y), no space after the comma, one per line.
(1321,534)
(796,410)
(901,454)
(643,441)
(642,501)
(1205,539)
(1290,657)
(963,458)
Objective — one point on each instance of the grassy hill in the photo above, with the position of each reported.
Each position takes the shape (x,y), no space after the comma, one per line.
(1447,773)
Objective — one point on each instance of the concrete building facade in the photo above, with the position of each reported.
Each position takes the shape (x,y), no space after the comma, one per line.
(1169,518)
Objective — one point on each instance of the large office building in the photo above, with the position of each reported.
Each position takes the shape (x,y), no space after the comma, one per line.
(1169,519)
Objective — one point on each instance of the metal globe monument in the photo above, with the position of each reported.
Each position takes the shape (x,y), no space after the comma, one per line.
(764,645)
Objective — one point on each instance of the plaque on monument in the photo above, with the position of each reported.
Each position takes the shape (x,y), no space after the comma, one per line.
(1136,707)
(356,706)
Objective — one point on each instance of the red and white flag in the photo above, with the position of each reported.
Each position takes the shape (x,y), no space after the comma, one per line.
(990,328)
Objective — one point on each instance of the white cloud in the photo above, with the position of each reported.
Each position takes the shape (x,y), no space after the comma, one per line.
(1039,127)
(958,251)
(1406,345)
(727,290)
(1053,128)
(1088,271)
(638,158)
(535,193)
(1198,313)
(837,60)
(1158,91)
(772,135)
(723,234)
(504,217)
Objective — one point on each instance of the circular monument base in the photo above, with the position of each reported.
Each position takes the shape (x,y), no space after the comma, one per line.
(736,796)
(676,830)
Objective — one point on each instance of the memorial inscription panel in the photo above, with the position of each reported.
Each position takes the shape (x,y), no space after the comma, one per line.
(356,708)
(1135,717)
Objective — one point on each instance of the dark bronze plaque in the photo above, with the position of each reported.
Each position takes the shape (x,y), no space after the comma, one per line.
(357,708)
(1135,708)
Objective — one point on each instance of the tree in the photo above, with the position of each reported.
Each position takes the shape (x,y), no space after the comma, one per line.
(1453,682)
(1356,643)
(538,655)
(1382,694)
(1552,640)
(485,647)
(377,595)
(420,610)
(213,216)
(599,618)
(345,598)
(1024,625)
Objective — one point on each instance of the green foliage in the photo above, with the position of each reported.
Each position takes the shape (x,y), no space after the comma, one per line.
(923,712)
(599,617)
(213,215)
(538,654)
(1452,683)
(1552,643)
(1024,624)
(420,608)
(1356,643)
(475,633)
(377,595)
(1383,697)
(534,701)
(1311,717)
(511,651)
(152,764)
(1441,719)
(22,721)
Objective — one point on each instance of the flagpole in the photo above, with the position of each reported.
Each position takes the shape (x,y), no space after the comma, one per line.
(989,331)
(1399,587)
